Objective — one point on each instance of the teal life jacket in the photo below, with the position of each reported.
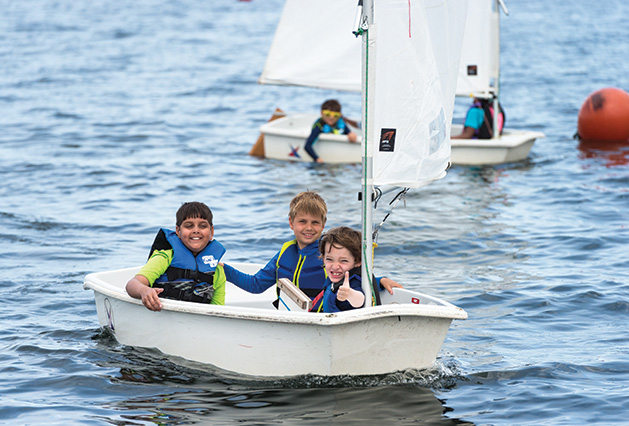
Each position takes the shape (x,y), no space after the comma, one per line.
(338,129)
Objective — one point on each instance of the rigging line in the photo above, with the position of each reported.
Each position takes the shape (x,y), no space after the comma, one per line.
(377,195)
(400,195)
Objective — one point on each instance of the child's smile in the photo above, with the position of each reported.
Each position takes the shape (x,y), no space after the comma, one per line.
(337,261)
(307,228)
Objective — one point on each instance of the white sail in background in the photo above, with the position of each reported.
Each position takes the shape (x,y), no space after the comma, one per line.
(314,46)
(417,54)
(479,69)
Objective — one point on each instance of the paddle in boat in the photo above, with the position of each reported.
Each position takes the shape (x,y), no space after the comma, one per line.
(403,331)
(293,60)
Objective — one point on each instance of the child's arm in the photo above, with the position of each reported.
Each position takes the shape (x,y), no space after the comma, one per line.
(351,136)
(138,287)
(314,134)
(388,284)
(258,283)
(218,298)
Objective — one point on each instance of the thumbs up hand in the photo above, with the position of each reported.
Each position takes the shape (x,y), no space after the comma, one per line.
(345,292)
(344,289)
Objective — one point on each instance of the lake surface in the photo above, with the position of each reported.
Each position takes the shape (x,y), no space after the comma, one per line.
(113,113)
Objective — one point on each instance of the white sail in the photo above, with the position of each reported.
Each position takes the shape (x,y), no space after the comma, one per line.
(480,67)
(411,58)
(417,55)
(314,46)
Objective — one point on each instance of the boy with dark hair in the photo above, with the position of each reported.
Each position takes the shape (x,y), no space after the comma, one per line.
(188,254)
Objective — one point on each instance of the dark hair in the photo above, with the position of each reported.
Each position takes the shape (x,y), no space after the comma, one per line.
(331,105)
(308,202)
(342,237)
(193,210)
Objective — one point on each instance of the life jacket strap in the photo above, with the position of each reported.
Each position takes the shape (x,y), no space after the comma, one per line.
(175,273)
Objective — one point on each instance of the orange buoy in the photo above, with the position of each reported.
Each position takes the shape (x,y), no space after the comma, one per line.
(604,116)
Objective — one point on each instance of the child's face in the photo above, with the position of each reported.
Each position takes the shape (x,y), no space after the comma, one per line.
(337,260)
(195,234)
(330,117)
(307,228)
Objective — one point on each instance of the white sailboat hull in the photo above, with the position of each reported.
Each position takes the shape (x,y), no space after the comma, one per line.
(284,139)
(511,146)
(249,337)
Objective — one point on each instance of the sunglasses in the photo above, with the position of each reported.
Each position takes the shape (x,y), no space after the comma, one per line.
(331,114)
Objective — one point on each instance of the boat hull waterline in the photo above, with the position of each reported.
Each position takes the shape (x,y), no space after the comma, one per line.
(248,336)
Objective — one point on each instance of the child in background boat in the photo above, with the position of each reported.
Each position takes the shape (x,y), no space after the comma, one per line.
(331,121)
(188,253)
(298,260)
(340,250)
(479,121)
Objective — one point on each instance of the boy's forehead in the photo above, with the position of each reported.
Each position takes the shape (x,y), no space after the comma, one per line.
(307,215)
(196,219)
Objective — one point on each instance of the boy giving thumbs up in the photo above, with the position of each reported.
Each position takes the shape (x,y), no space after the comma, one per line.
(340,249)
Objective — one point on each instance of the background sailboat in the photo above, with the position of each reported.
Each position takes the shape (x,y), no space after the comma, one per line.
(479,76)
(314,47)
(293,60)
(410,63)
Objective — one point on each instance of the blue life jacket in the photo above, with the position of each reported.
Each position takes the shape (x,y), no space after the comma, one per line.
(185,265)
(329,297)
(304,269)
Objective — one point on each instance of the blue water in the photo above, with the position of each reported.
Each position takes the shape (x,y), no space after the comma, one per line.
(114,112)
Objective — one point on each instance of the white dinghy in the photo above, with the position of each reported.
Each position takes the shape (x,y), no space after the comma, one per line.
(405,330)
(249,336)
(292,60)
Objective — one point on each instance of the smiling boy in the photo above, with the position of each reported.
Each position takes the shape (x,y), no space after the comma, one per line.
(190,253)
(299,259)
(340,249)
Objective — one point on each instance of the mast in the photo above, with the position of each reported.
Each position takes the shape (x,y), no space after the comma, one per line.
(498,4)
(367,29)
(496,47)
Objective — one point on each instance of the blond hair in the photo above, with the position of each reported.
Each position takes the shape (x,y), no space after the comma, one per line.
(310,203)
